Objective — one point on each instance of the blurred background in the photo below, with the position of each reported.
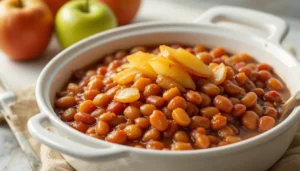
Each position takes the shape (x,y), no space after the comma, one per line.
(22,74)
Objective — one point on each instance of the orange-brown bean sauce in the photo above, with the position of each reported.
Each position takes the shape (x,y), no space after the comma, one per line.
(161,114)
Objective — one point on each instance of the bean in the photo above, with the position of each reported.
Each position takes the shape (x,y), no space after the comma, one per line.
(102,128)
(181,146)
(171,93)
(118,120)
(114,64)
(246,70)
(241,78)
(191,109)
(194,97)
(238,110)
(96,113)
(223,103)
(225,131)
(249,99)
(86,107)
(101,100)
(258,110)
(266,123)
(218,121)
(142,122)
(65,102)
(91,130)
(141,83)
(205,57)
(234,100)
(209,112)
(245,57)
(68,114)
(259,84)
(275,84)
(181,136)
(133,132)
(121,54)
(147,109)
(206,100)
(158,120)
(172,128)
(151,134)
(202,141)
(95,84)
(101,70)
(131,112)
(155,100)
(270,111)
(84,118)
(199,121)
(121,126)
(117,136)
(273,96)
(202,81)
(199,48)
(217,52)
(79,126)
(177,102)
(232,139)
(250,120)
(74,88)
(155,145)
(107,117)
(229,73)
(167,83)
(264,66)
(112,91)
(213,139)
(231,88)
(90,94)
(264,75)
(223,143)
(136,104)
(116,107)
(181,117)
(210,89)
(258,91)
(152,90)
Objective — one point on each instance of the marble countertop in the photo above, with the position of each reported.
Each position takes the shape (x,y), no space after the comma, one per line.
(11,156)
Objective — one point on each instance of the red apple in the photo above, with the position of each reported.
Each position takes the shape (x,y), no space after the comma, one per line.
(55,5)
(124,10)
(25,28)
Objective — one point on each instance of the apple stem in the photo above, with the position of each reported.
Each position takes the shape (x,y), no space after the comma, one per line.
(86,6)
(20,4)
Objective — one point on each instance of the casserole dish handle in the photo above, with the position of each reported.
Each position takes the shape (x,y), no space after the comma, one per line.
(81,151)
(274,26)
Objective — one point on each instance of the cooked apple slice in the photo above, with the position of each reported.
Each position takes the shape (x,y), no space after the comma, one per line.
(163,66)
(189,61)
(139,60)
(126,76)
(219,75)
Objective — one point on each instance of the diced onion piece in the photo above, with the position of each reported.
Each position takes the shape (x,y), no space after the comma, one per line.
(189,61)
(139,60)
(219,74)
(127,95)
(126,76)
(166,67)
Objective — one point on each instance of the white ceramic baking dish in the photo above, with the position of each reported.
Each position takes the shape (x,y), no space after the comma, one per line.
(258,153)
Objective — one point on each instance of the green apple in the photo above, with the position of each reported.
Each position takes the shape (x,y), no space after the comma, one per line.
(79,19)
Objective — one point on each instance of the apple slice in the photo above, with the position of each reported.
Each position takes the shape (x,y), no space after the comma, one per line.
(166,67)
(219,72)
(139,60)
(192,64)
(126,76)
